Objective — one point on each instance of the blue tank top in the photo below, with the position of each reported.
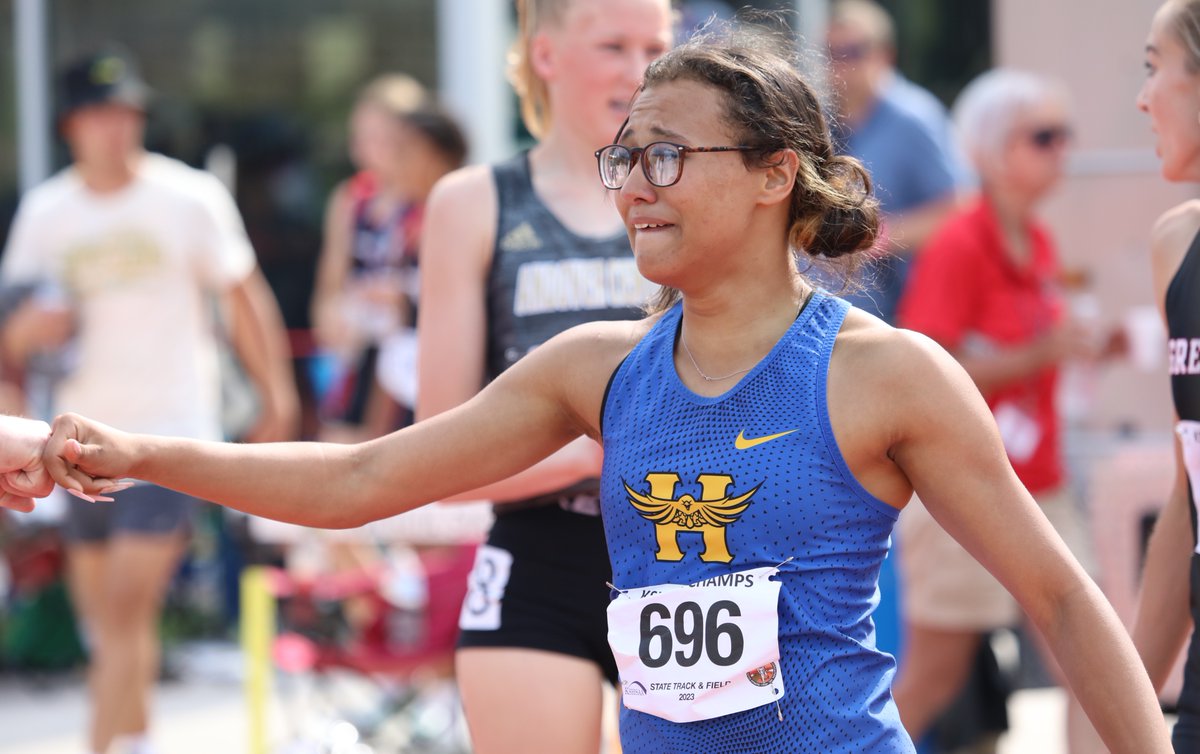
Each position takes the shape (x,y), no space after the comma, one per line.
(771,434)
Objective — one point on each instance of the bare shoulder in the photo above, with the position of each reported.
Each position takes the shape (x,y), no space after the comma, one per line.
(464,188)
(1176,227)
(578,363)
(898,374)
(890,391)
(597,346)
(340,201)
(867,342)
(1170,239)
(460,222)
(340,193)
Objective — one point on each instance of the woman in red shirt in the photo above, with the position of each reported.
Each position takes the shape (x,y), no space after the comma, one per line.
(986,287)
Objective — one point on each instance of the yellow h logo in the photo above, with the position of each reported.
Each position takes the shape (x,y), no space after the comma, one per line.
(673,516)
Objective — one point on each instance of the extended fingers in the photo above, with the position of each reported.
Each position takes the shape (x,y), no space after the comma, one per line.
(87,497)
(81,484)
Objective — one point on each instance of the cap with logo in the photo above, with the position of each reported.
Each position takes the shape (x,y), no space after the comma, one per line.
(110,76)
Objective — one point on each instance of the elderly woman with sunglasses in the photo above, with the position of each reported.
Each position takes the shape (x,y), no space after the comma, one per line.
(987,289)
(760,437)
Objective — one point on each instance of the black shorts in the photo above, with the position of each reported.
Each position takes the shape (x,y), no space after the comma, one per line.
(541,582)
(144,509)
(1186,735)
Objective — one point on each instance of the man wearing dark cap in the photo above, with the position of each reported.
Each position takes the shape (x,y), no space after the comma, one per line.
(127,251)
(108,77)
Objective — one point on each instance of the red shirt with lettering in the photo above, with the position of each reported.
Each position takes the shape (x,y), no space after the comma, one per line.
(965,292)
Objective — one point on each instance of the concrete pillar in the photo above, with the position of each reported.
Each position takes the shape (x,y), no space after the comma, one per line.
(34,101)
(473,39)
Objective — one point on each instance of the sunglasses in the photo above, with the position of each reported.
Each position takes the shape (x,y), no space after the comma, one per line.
(1050,137)
(662,162)
(849,53)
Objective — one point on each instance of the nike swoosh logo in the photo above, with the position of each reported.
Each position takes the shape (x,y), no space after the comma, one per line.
(744,443)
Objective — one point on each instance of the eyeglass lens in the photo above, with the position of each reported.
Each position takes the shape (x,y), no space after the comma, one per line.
(661,166)
(615,163)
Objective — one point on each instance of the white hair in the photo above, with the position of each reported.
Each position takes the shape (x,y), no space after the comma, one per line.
(988,109)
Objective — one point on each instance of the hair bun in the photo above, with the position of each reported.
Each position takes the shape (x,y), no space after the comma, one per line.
(844,215)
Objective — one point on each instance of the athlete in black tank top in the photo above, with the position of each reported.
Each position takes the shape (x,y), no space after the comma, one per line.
(1183,329)
(1168,97)
(545,279)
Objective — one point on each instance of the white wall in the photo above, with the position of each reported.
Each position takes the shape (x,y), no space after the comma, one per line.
(1102,216)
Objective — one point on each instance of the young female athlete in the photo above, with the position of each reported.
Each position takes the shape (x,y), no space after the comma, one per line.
(1171,97)
(366,286)
(513,254)
(759,438)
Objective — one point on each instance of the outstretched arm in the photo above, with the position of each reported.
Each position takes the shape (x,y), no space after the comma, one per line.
(527,414)
(948,447)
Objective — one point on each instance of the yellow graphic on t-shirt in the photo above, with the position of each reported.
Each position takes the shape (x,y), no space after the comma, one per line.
(709,515)
(111,261)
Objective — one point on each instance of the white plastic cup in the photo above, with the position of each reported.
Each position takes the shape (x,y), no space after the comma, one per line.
(1147,338)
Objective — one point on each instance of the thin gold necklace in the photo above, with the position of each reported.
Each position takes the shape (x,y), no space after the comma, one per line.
(700,371)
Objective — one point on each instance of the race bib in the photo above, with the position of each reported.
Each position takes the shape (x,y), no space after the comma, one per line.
(485,589)
(694,652)
(1189,438)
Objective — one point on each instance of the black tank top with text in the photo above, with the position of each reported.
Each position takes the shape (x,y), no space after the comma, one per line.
(545,278)
(1183,331)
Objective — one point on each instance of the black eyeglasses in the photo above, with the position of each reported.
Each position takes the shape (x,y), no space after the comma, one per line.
(662,164)
(1049,137)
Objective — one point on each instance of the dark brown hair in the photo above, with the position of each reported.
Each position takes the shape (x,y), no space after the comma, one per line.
(443,133)
(770,107)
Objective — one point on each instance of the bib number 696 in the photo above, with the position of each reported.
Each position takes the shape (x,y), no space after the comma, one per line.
(695,633)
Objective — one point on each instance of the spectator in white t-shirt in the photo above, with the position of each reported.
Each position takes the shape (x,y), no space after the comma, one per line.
(127,252)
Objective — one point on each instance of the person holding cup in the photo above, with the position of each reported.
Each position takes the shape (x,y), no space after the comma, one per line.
(988,287)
